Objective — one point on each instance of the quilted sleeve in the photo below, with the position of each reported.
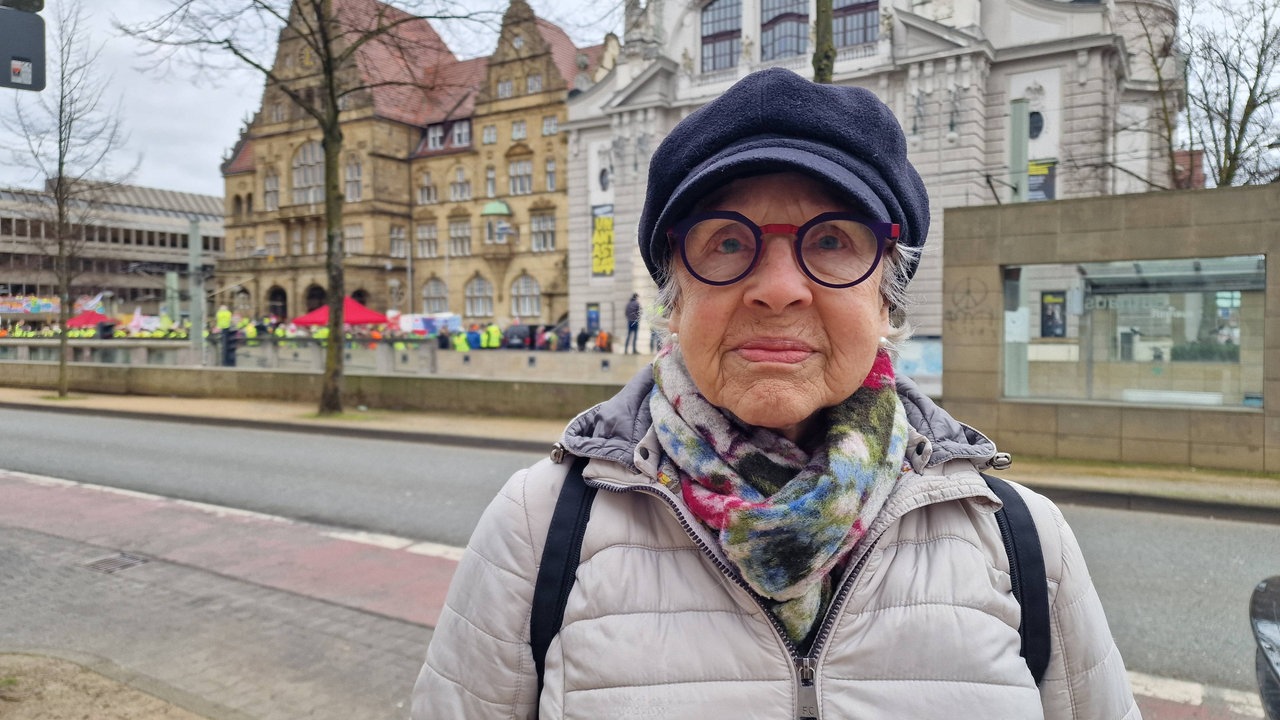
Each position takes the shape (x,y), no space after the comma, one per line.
(1086,677)
(479,664)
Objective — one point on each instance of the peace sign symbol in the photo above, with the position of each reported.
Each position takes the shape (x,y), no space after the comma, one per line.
(969,295)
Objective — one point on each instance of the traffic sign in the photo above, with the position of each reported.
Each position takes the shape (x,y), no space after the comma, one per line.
(21,46)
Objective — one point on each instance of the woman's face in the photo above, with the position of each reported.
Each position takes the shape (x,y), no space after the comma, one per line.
(776,347)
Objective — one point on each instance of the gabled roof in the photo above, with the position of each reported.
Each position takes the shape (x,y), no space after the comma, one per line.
(452,89)
(241,159)
(391,63)
(563,52)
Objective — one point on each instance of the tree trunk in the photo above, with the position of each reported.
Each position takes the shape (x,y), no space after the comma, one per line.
(331,393)
(824,47)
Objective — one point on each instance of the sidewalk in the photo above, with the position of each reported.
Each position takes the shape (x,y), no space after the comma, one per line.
(239,616)
(1133,487)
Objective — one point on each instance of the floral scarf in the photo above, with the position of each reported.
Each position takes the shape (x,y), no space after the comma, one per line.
(784,517)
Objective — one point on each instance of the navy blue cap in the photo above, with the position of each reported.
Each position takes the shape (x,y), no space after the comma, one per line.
(777,121)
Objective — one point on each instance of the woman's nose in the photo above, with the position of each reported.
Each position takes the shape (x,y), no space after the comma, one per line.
(778,280)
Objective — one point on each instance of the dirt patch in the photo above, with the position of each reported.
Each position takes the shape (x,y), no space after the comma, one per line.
(33,687)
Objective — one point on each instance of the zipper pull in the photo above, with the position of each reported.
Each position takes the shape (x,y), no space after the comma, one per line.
(806,690)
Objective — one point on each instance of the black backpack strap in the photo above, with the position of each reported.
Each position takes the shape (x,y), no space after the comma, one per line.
(559,566)
(1026,574)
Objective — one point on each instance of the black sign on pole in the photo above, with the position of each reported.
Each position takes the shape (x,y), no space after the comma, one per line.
(21,45)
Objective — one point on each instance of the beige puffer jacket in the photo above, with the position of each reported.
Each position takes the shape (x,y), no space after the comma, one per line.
(657,626)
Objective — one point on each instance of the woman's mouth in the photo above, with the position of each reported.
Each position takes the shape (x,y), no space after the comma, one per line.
(774,351)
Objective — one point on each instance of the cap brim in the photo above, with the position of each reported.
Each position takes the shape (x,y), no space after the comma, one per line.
(788,155)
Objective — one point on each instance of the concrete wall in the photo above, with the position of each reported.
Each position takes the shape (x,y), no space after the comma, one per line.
(535,397)
(1186,224)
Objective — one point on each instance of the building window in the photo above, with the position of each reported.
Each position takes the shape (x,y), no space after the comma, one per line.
(271,191)
(353,239)
(308,174)
(479,294)
(549,125)
(520,177)
(462,133)
(355,171)
(435,137)
(504,89)
(721,35)
(295,241)
(551,175)
(245,246)
(460,237)
(435,296)
(277,112)
(427,194)
(543,235)
(490,181)
(489,135)
(311,240)
(526,298)
(533,84)
(271,241)
(460,188)
(784,28)
(399,242)
(854,22)
(428,240)
(519,131)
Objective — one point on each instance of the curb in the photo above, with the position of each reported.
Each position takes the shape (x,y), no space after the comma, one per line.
(457,440)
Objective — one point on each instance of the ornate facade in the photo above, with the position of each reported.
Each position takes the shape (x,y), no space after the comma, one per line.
(949,68)
(455,192)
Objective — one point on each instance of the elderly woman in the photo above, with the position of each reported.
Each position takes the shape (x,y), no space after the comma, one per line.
(787,532)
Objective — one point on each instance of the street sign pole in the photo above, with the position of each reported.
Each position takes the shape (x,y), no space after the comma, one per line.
(195,288)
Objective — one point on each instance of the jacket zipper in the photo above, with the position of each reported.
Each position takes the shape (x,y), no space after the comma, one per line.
(806,666)
(1015,572)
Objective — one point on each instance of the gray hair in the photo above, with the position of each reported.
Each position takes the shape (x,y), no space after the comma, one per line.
(893,289)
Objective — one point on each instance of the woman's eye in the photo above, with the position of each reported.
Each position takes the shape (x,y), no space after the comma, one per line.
(828,242)
(730,246)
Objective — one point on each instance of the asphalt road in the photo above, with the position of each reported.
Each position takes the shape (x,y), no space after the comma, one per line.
(421,491)
(1175,588)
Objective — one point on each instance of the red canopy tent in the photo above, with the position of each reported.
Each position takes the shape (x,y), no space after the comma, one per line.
(88,318)
(353,313)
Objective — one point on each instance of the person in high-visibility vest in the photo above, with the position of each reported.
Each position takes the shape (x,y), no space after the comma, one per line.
(223,318)
(460,342)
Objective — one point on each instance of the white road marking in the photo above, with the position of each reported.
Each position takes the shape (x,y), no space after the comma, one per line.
(390,542)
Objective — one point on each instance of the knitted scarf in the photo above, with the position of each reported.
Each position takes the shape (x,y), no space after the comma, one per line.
(784,517)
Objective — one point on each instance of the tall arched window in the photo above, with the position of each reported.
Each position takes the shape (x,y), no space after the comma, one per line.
(526,298)
(784,28)
(435,296)
(308,174)
(721,35)
(479,293)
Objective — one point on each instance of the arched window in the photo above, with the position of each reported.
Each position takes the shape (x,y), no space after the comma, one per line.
(526,298)
(721,35)
(237,206)
(354,173)
(435,296)
(784,28)
(479,293)
(308,174)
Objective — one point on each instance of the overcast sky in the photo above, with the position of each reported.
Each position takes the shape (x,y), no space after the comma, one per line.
(179,126)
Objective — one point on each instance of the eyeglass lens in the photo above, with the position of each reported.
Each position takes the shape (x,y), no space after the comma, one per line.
(834,251)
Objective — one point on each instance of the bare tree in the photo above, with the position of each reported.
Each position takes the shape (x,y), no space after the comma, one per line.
(326,55)
(824,46)
(1215,83)
(1233,93)
(68,135)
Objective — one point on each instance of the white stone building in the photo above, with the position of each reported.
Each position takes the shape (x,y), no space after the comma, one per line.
(950,69)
